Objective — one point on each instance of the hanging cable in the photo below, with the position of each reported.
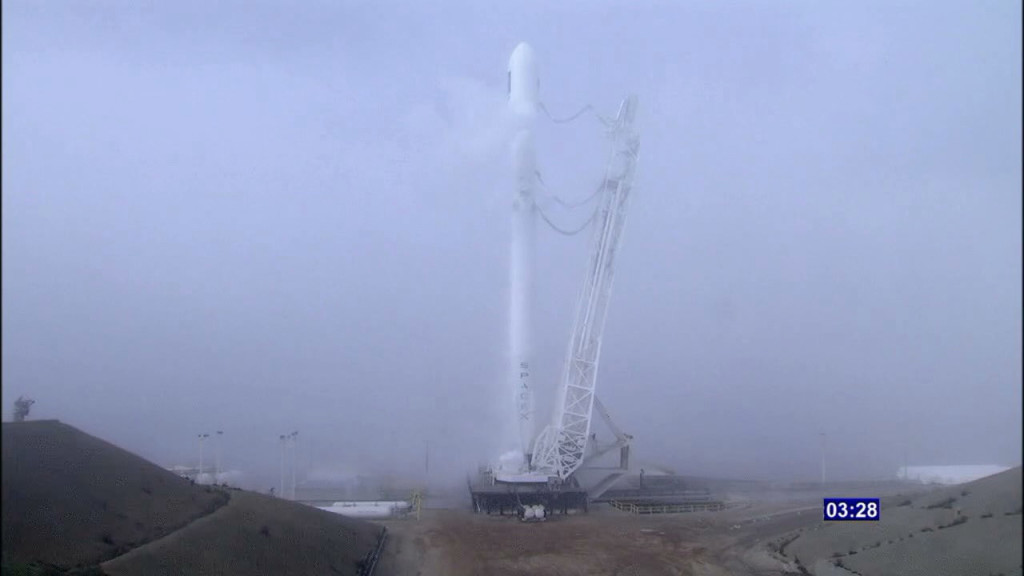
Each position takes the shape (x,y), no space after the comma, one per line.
(563,120)
(567,232)
(586,200)
(570,205)
(608,123)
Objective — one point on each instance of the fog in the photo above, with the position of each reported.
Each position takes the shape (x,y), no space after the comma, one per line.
(259,217)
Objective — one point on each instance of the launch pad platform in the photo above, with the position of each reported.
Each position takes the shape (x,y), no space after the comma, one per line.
(651,495)
(491,496)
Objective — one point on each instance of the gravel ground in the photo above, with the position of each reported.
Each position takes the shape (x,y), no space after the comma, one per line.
(770,536)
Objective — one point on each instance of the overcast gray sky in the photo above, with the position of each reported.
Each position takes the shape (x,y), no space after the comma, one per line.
(267,216)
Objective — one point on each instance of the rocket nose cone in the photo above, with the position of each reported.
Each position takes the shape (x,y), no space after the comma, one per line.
(523,81)
(523,53)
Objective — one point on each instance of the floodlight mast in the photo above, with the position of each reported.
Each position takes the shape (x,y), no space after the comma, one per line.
(199,476)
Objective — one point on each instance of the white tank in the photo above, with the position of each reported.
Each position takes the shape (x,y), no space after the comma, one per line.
(393,504)
(367,509)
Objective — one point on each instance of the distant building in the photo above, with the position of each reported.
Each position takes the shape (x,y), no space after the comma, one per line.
(184,471)
(957,474)
(232,477)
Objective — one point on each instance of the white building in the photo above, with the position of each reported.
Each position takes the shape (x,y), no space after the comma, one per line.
(957,474)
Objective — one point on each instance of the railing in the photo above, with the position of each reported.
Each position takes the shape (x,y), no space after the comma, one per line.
(651,494)
(369,564)
(634,508)
(417,503)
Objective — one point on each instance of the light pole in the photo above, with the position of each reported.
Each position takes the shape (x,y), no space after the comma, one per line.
(216,477)
(823,462)
(199,476)
(283,438)
(294,437)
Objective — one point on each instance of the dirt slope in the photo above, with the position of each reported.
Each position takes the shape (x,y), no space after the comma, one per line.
(256,534)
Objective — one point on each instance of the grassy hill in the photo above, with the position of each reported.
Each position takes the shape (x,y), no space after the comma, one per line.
(70,499)
(73,501)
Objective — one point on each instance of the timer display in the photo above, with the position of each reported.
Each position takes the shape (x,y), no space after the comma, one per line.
(851,509)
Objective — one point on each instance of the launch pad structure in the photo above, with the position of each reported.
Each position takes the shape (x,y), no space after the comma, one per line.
(661,494)
(539,476)
(491,496)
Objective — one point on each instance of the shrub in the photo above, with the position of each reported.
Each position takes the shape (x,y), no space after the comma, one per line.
(947,503)
(32,569)
(957,520)
(20,569)
(85,571)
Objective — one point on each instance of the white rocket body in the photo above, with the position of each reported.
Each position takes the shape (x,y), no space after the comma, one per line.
(523,87)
